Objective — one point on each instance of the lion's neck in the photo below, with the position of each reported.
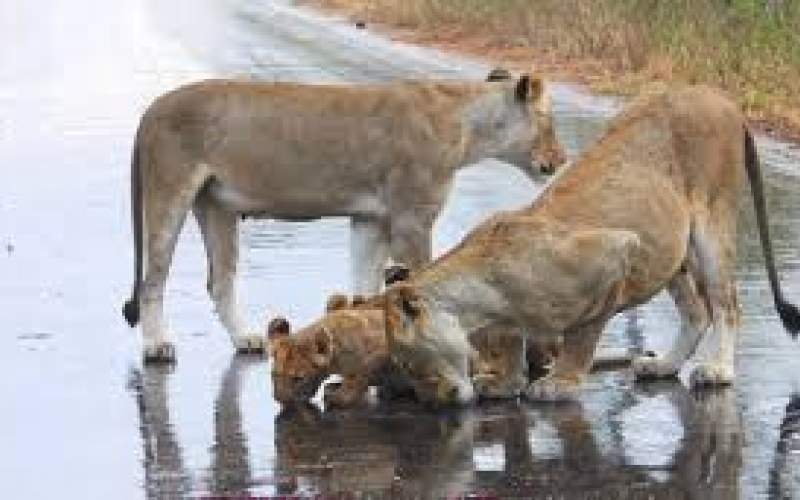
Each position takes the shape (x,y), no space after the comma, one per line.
(464,106)
(466,296)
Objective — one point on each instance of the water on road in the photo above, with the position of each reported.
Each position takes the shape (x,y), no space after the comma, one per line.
(81,418)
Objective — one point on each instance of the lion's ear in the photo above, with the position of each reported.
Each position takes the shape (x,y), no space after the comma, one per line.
(278,327)
(529,89)
(336,302)
(396,273)
(322,347)
(403,309)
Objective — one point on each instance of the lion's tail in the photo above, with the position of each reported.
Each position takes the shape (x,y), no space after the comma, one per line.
(131,308)
(788,312)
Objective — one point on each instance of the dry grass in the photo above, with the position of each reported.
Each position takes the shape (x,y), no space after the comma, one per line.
(749,47)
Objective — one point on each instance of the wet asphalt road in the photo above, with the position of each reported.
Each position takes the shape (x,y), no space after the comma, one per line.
(82,419)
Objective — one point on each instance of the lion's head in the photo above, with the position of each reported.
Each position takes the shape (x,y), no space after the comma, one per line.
(300,362)
(349,338)
(523,128)
(436,364)
(500,367)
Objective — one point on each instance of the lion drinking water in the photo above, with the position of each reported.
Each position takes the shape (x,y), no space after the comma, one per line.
(349,341)
(652,205)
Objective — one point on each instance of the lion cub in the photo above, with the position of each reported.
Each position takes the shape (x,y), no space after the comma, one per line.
(349,341)
(505,362)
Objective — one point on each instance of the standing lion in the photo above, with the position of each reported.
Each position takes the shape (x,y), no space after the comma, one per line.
(382,154)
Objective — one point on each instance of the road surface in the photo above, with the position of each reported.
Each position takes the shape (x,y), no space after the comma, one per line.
(83,419)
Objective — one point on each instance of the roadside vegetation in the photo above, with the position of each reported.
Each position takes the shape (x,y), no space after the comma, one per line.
(751,48)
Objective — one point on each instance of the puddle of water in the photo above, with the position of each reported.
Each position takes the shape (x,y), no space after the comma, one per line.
(84,413)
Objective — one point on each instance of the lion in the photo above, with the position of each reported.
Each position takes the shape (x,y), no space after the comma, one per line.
(349,340)
(382,154)
(651,206)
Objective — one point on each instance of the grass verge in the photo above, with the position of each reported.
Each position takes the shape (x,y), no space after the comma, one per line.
(750,48)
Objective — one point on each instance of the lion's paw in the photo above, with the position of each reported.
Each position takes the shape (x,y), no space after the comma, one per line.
(163,352)
(340,395)
(487,387)
(552,389)
(710,374)
(251,344)
(653,368)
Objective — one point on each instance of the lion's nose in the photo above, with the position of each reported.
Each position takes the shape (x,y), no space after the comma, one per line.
(547,168)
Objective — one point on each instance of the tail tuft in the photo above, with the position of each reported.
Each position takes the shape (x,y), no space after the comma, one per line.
(131,312)
(790,316)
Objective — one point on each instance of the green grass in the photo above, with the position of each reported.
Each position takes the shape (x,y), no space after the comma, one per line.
(748,47)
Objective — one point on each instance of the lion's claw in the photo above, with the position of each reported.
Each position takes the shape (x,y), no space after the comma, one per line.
(708,375)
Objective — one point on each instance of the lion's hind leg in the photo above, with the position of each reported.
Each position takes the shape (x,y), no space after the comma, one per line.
(165,212)
(694,322)
(714,243)
(219,228)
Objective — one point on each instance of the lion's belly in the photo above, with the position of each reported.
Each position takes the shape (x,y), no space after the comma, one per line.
(296,203)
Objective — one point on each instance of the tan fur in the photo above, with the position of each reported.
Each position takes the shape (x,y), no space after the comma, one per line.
(349,340)
(502,369)
(652,205)
(504,363)
(382,154)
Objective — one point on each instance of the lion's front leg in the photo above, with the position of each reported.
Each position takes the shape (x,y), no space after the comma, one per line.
(369,247)
(410,237)
(570,367)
